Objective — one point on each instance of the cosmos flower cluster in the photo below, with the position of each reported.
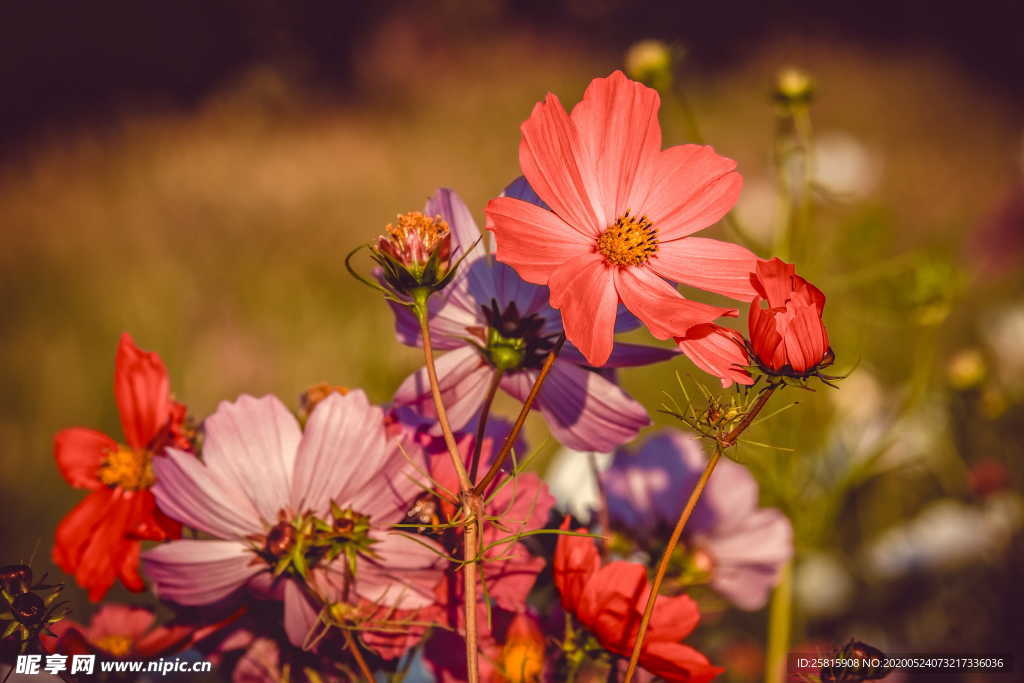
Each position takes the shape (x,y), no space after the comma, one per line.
(326,542)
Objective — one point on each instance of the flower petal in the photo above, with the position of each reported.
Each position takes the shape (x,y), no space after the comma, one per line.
(693,188)
(252,444)
(711,265)
(609,603)
(659,306)
(79,453)
(583,289)
(717,351)
(342,452)
(773,280)
(677,662)
(520,189)
(128,566)
(300,614)
(463,376)
(403,574)
(532,240)
(448,205)
(729,500)
(559,168)
(673,619)
(194,572)
(143,392)
(617,123)
(190,492)
(576,561)
(748,558)
(90,536)
(584,411)
(120,620)
(623,355)
(805,338)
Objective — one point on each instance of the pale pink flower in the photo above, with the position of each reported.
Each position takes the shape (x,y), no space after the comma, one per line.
(488,316)
(260,478)
(621,219)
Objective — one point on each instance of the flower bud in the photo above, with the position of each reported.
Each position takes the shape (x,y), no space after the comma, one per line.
(794,86)
(787,335)
(650,62)
(415,253)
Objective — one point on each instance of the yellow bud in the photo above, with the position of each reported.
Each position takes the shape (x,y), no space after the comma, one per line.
(794,85)
(966,369)
(650,62)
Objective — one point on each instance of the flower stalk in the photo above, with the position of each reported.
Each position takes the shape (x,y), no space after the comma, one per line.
(481,428)
(353,647)
(510,440)
(471,503)
(778,627)
(722,443)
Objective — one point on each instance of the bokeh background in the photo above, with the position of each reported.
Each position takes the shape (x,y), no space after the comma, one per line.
(194,173)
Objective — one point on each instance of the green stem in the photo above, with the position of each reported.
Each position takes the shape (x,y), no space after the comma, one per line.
(353,647)
(481,427)
(470,500)
(510,440)
(723,443)
(659,576)
(779,626)
(420,308)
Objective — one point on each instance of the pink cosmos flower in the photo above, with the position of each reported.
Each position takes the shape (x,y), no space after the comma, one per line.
(283,503)
(622,212)
(489,317)
(509,570)
(742,547)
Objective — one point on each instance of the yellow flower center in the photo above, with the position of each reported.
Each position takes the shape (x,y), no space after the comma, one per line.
(418,228)
(118,646)
(127,468)
(630,241)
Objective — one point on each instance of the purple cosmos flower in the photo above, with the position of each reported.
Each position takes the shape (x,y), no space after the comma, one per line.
(742,545)
(293,511)
(488,318)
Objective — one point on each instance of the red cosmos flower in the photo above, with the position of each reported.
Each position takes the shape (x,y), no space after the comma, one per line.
(98,541)
(787,335)
(622,212)
(609,601)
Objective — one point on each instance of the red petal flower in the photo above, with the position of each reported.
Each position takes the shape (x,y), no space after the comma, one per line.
(609,602)
(622,212)
(99,540)
(786,331)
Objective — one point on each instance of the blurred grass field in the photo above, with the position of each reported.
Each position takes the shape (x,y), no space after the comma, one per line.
(216,237)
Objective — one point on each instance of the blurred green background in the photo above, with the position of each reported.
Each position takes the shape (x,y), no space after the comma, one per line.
(196,175)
